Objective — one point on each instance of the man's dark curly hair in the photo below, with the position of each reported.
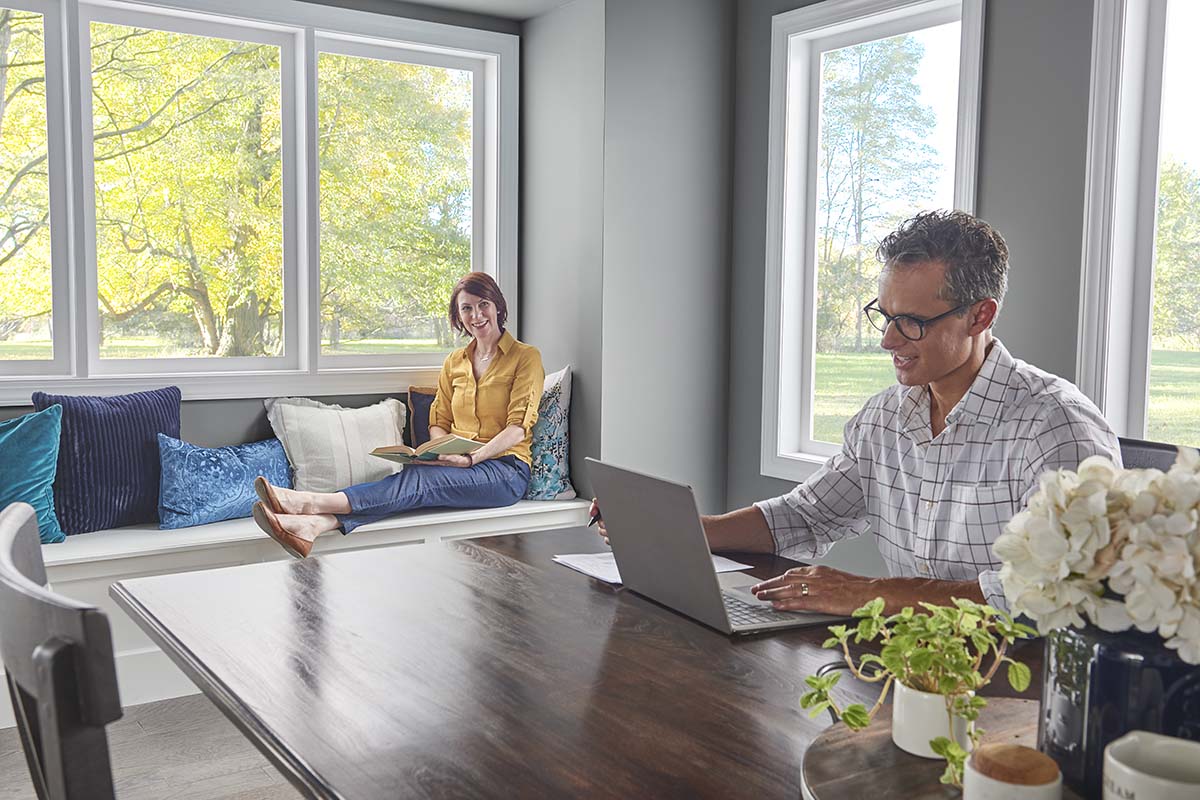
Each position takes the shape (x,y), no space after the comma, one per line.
(974,253)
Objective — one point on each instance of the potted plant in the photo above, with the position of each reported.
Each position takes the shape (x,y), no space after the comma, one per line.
(937,660)
(1105,560)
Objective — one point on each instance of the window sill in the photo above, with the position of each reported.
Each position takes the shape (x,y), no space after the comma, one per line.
(795,467)
(225,386)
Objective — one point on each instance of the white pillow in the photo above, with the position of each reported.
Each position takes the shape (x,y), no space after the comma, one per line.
(329,446)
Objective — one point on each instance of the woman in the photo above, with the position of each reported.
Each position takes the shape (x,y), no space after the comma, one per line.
(488,391)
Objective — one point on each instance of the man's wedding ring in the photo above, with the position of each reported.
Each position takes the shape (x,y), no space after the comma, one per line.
(804,590)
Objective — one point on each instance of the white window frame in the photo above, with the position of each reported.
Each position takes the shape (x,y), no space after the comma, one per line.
(1125,103)
(789,322)
(56,163)
(301,29)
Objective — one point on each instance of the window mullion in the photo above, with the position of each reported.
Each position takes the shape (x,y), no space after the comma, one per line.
(308,182)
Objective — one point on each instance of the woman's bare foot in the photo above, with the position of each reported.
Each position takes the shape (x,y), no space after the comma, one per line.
(289,501)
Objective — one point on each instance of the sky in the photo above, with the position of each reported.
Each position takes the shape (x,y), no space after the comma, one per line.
(1179,135)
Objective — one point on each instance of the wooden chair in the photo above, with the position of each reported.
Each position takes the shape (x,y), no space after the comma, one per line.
(1139,454)
(61,675)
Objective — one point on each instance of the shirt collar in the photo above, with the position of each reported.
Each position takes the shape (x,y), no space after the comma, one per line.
(504,345)
(984,400)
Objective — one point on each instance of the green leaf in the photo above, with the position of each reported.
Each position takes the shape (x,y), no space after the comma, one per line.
(856,717)
(818,709)
(1019,675)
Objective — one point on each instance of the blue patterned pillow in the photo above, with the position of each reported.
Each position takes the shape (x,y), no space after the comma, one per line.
(550,474)
(202,484)
(28,462)
(108,457)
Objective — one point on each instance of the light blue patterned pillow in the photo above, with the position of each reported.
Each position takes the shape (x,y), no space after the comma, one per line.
(550,475)
(202,484)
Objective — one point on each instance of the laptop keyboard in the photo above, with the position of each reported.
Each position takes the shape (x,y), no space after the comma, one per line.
(742,612)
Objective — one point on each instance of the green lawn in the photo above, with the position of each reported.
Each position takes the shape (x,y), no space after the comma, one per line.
(843,383)
(1173,413)
(845,380)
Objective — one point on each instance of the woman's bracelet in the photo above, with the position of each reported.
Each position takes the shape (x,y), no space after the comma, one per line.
(471,459)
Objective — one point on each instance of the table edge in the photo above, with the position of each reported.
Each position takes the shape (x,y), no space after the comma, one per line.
(298,772)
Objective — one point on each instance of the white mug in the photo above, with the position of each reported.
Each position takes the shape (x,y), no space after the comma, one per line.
(1149,766)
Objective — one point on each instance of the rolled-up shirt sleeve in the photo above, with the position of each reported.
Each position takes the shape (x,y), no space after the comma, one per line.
(526,390)
(993,590)
(828,507)
(440,411)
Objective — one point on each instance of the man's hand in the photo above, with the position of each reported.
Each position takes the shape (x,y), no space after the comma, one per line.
(594,513)
(823,589)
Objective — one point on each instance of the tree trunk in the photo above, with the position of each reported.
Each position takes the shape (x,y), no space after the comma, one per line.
(243,332)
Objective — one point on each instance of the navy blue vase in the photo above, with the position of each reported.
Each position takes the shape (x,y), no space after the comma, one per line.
(1097,686)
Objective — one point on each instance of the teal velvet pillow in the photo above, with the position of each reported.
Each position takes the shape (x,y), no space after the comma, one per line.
(209,484)
(28,464)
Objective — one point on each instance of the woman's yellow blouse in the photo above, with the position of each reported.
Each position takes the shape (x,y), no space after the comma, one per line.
(507,394)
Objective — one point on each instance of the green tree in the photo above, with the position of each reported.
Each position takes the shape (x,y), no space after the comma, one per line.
(24,177)
(875,167)
(395,149)
(1177,257)
(187,134)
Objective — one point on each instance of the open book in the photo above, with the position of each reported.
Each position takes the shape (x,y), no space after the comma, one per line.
(449,445)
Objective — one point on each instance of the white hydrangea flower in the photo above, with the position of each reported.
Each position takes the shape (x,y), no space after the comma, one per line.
(1134,532)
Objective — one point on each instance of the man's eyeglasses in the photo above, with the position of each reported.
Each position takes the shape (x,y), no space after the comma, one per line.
(910,327)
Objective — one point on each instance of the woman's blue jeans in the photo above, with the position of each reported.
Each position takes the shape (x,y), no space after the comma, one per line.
(493,483)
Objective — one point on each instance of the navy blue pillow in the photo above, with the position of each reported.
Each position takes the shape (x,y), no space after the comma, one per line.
(210,484)
(108,457)
(420,398)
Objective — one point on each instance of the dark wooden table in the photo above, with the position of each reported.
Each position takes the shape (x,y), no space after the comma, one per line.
(482,669)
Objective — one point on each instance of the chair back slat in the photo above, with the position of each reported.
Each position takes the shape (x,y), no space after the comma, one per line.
(1140,454)
(58,657)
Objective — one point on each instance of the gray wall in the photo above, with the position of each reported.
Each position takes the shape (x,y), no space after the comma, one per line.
(667,120)
(562,192)
(1032,149)
(1033,152)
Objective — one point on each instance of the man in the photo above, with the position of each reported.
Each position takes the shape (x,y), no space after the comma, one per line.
(936,465)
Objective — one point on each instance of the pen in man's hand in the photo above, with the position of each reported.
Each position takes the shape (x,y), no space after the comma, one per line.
(594,520)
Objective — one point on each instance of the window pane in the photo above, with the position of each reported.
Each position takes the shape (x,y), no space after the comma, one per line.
(889,112)
(25,291)
(1173,411)
(395,151)
(188,194)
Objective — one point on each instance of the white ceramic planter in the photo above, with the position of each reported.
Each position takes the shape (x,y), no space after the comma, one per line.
(919,717)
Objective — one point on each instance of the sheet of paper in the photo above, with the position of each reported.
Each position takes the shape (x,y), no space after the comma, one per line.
(603,566)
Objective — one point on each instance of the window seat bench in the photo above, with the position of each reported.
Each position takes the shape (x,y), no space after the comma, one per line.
(84,566)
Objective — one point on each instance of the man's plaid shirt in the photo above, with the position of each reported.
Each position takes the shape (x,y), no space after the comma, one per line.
(937,505)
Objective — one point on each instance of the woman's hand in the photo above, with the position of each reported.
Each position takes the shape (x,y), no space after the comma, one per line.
(455,461)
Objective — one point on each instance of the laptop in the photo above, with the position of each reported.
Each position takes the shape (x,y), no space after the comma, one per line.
(658,542)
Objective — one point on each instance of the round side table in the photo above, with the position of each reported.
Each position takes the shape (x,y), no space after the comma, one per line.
(842,763)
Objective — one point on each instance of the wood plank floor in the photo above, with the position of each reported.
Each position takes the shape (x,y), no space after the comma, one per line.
(178,749)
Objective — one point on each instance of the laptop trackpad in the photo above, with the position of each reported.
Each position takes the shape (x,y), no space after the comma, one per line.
(738,584)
